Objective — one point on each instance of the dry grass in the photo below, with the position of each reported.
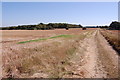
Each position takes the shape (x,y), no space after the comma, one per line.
(104,58)
(113,38)
(48,57)
(12,35)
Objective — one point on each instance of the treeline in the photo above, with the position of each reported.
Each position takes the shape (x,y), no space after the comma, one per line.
(42,26)
(113,26)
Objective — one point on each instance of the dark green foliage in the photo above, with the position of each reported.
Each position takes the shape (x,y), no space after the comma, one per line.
(102,26)
(42,26)
(115,26)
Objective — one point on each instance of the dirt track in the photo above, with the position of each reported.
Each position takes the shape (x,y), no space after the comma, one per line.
(94,57)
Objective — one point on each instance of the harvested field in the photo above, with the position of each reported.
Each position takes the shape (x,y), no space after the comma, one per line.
(113,37)
(20,34)
(60,53)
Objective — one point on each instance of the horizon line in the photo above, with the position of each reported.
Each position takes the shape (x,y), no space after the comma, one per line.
(57,22)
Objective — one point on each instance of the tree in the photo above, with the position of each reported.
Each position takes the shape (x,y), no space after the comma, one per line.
(115,25)
(40,24)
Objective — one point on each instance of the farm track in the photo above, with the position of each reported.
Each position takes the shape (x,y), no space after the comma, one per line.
(94,57)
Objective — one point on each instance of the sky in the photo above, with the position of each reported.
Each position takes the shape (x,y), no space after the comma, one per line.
(119,11)
(84,13)
(59,0)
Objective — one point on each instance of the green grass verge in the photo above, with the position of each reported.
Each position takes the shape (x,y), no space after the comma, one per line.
(41,39)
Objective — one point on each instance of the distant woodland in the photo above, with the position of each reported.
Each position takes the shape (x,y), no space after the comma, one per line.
(41,26)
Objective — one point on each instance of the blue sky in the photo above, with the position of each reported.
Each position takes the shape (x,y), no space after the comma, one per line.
(84,13)
(119,11)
